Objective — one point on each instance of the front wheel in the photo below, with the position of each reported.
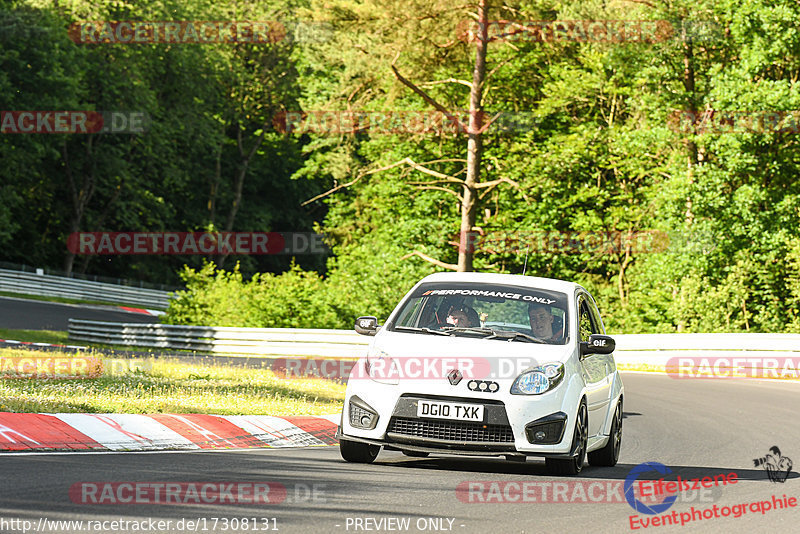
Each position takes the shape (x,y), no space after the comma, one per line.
(357,452)
(573,466)
(608,455)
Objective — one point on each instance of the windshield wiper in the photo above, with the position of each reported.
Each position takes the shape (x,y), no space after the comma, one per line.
(487,333)
(469,329)
(425,330)
(512,335)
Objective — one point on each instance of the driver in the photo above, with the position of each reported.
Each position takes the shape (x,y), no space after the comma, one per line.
(542,322)
(463,316)
(451,312)
(437,318)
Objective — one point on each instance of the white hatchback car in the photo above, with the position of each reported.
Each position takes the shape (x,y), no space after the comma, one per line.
(487,364)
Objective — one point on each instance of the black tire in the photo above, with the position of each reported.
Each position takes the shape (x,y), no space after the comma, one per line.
(357,452)
(608,455)
(573,466)
(416,454)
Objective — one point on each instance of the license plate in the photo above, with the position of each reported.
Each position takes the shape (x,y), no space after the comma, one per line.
(450,410)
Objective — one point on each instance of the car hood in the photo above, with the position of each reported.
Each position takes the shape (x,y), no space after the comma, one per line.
(487,357)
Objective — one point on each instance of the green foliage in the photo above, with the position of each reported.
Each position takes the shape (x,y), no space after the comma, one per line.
(294,299)
(208,107)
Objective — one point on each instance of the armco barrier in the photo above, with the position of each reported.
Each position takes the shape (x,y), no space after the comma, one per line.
(344,344)
(58,286)
(632,349)
(657,349)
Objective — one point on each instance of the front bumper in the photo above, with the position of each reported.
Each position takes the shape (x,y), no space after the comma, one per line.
(504,431)
(439,450)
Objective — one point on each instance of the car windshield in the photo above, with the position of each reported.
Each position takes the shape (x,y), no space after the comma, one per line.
(490,311)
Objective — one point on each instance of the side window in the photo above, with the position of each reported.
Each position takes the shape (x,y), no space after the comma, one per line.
(410,313)
(596,316)
(586,322)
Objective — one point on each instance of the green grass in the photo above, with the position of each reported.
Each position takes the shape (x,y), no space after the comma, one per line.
(61,337)
(171,388)
(56,337)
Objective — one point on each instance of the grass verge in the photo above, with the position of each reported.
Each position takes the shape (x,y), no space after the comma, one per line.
(61,337)
(56,337)
(170,388)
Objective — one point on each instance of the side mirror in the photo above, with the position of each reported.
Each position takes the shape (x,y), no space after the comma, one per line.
(598,344)
(367,325)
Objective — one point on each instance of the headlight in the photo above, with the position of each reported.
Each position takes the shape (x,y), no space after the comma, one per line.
(382,368)
(538,380)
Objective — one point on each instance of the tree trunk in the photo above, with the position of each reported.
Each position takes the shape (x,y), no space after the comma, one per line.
(474,143)
(691,146)
(214,185)
(238,181)
(80,197)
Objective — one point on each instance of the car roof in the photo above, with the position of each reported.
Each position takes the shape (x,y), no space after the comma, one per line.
(533,282)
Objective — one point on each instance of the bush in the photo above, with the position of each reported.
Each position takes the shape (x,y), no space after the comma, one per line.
(294,299)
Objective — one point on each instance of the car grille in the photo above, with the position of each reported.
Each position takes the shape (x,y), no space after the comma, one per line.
(455,431)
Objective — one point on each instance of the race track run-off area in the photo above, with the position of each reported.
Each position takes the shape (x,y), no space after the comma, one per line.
(133,432)
(695,428)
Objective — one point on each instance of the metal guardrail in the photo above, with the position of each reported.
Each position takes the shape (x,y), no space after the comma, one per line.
(654,349)
(58,286)
(658,349)
(21,267)
(344,344)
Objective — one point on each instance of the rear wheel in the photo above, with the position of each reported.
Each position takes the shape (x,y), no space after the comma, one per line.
(357,452)
(608,455)
(573,466)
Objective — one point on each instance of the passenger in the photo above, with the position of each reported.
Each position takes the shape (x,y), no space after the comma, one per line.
(541,320)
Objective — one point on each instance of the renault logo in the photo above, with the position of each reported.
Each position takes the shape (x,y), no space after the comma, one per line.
(454,376)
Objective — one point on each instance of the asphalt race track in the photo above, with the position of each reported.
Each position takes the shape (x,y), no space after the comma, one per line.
(697,428)
(23,314)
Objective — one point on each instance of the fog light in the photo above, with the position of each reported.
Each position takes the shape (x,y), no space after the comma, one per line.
(548,430)
(361,414)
